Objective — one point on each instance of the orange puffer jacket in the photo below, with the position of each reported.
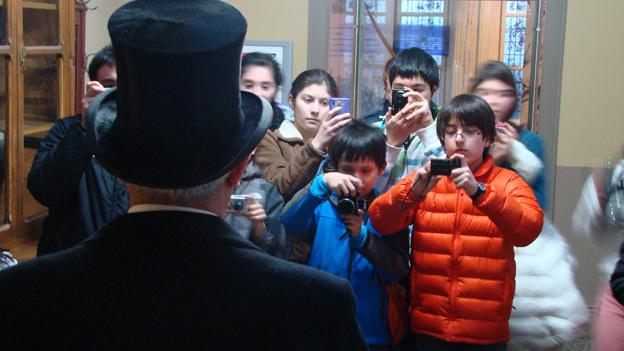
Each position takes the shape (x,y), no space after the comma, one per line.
(463,271)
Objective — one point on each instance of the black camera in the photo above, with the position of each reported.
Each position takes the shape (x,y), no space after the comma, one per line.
(398,100)
(350,205)
(444,167)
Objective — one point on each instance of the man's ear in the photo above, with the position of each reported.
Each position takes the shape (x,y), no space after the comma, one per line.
(434,91)
(233,179)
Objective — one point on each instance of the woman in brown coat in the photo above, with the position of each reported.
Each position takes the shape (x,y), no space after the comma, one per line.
(290,156)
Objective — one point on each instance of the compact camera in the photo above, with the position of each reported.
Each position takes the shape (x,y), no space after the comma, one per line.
(444,167)
(350,205)
(238,203)
(398,100)
(342,102)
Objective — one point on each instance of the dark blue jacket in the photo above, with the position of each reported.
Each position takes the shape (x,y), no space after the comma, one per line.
(80,195)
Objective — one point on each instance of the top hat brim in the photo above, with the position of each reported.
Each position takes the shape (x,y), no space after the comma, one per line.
(175,161)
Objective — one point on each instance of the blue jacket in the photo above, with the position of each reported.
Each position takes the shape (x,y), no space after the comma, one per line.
(334,251)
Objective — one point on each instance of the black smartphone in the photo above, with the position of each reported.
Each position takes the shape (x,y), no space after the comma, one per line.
(443,166)
(398,100)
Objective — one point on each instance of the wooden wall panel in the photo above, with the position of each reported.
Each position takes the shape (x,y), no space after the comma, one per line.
(490,43)
(464,16)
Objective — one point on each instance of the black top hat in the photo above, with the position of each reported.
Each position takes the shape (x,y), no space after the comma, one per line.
(177,118)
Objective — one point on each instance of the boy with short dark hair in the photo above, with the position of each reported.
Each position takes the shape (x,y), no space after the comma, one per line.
(465,226)
(344,242)
(411,131)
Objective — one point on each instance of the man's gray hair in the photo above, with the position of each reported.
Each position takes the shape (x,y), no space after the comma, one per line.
(181,195)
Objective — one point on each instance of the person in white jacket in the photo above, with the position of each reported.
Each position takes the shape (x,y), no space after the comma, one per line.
(548,307)
(594,215)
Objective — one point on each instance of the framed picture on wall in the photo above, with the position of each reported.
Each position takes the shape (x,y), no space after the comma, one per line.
(282,53)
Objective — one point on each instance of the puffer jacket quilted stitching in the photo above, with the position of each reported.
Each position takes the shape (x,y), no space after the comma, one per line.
(463,270)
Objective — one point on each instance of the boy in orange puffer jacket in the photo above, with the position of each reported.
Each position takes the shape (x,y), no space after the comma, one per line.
(465,225)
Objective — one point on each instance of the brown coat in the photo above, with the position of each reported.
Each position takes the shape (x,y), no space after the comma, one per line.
(286,160)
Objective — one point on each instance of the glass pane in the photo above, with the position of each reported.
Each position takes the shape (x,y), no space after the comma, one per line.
(3,25)
(40,112)
(519,7)
(340,60)
(3,142)
(515,32)
(426,6)
(41,26)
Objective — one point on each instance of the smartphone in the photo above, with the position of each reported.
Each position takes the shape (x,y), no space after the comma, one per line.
(398,100)
(444,166)
(342,102)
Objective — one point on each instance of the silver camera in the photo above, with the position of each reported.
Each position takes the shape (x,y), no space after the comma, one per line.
(238,203)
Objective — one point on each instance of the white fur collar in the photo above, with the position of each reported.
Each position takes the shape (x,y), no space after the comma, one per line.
(288,130)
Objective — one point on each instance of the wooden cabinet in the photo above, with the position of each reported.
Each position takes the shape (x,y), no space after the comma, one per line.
(37,86)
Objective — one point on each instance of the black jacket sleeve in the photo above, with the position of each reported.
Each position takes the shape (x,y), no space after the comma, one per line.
(617,278)
(389,254)
(60,162)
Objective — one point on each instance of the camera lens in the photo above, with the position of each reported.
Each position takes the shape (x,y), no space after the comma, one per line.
(346,206)
(238,206)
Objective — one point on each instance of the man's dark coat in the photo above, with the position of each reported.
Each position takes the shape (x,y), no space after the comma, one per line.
(173,280)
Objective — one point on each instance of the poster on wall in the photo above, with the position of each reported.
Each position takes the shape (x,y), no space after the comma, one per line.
(282,53)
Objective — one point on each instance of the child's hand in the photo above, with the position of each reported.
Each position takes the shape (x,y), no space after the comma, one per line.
(463,177)
(424,182)
(354,223)
(342,184)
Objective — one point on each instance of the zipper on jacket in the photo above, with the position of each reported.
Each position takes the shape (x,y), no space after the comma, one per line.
(350,263)
(452,298)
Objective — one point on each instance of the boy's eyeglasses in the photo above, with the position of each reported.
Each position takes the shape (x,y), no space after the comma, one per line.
(466,134)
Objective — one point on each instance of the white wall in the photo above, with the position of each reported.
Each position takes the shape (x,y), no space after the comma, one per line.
(96,32)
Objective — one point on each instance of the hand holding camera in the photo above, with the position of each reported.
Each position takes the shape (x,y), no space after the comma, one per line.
(505,135)
(354,222)
(93,89)
(247,205)
(342,184)
(463,177)
(409,113)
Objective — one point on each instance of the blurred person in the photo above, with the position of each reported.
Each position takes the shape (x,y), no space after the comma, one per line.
(344,242)
(411,132)
(601,207)
(261,75)
(465,226)
(495,83)
(549,308)
(171,274)
(81,196)
(290,156)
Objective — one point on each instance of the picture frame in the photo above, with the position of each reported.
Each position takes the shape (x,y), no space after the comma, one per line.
(282,53)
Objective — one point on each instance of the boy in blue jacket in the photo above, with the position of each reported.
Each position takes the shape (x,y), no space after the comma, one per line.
(333,216)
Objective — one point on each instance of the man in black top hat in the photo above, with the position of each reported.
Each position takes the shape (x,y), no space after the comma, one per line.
(171,273)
